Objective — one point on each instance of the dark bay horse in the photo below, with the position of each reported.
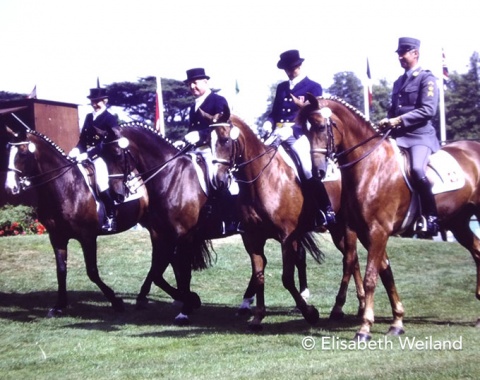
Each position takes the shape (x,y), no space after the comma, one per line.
(66,206)
(376,195)
(272,206)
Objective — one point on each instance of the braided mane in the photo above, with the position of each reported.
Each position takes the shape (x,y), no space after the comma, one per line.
(138,124)
(51,142)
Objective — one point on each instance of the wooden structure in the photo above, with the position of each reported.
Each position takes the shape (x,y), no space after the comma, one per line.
(57,120)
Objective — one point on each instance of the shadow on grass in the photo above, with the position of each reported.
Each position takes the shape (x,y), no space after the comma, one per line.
(90,311)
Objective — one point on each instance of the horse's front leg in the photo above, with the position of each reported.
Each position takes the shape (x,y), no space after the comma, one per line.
(346,242)
(89,247)
(289,258)
(61,255)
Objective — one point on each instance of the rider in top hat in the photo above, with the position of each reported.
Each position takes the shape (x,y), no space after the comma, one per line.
(198,132)
(281,123)
(414,104)
(99,126)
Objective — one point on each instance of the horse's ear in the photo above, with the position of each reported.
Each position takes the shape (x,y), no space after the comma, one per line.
(312,99)
(226,113)
(206,115)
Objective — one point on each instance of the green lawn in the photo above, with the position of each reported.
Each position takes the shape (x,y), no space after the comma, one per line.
(436,281)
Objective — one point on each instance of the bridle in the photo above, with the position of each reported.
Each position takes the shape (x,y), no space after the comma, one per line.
(28,182)
(331,152)
(236,152)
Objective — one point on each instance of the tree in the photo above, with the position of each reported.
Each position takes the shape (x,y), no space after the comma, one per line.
(138,100)
(462,103)
(5,95)
(348,87)
(382,94)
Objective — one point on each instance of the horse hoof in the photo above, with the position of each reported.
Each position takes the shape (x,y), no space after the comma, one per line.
(118,305)
(395,331)
(255,327)
(55,312)
(244,312)
(478,323)
(182,321)
(362,337)
(311,315)
(336,315)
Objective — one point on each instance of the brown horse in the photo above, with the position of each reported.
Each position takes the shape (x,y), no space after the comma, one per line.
(66,207)
(272,206)
(376,195)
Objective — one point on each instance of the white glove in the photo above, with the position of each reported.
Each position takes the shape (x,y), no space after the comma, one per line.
(82,157)
(192,137)
(284,133)
(268,126)
(74,153)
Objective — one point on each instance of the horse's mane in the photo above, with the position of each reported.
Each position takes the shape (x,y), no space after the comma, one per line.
(149,130)
(51,143)
(304,112)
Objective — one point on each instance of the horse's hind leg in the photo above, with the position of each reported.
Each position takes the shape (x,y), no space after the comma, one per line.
(90,256)
(470,241)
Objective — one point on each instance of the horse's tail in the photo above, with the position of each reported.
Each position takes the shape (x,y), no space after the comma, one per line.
(310,244)
(203,255)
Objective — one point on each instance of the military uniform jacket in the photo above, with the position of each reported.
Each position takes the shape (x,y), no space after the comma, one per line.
(416,101)
(284,110)
(94,132)
(213,104)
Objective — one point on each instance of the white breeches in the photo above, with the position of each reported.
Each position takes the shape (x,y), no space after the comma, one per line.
(101,173)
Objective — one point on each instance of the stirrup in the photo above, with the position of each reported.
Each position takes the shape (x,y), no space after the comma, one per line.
(110,225)
(427,225)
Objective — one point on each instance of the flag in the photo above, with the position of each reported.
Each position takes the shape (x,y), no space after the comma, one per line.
(98,82)
(369,85)
(445,71)
(159,121)
(33,94)
(237,88)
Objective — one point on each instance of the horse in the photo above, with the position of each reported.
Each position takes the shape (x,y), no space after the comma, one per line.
(67,206)
(376,193)
(272,206)
(177,198)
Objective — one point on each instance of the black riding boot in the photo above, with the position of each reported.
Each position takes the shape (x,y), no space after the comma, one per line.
(110,223)
(228,207)
(316,190)
(429,220)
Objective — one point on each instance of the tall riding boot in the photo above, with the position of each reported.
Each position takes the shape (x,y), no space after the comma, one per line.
(429,223)
(231,218)
(110,223)
(316,189)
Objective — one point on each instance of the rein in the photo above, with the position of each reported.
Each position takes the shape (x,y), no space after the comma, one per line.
(234,167)
(329,151)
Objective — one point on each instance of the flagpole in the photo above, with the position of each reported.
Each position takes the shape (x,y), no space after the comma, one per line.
(366,93)
(443,132)
(159,120)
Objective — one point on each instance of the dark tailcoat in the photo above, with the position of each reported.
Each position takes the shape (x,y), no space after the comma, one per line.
(213,105)
(416,100)
(284,109)
(94,132)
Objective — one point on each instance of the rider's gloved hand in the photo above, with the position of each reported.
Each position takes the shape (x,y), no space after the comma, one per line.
(268,127)
(192,137)
(394,122)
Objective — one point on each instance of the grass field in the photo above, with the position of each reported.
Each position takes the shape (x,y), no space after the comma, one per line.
(436,281)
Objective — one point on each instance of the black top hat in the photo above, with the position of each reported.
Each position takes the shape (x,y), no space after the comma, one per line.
(194,74)
(407,43)
(97,93)
(289,59)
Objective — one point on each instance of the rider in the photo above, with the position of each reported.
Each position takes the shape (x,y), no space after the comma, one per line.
(281,123)
(199,133)
(99,126)
(414,104)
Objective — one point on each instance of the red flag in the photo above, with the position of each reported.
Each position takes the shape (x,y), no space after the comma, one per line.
(445,71)
(370,94)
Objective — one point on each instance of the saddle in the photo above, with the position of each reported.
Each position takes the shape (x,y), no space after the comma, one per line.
(443,171)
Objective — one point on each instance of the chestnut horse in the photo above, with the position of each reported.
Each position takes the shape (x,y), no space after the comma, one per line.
(272,206)
(176,196)
(377,197)
(66,206)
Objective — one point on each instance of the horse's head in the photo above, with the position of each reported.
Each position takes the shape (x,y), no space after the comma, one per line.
(21,162)
(315,119)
